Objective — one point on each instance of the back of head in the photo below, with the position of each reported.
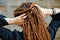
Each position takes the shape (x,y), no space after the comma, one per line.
(34,27)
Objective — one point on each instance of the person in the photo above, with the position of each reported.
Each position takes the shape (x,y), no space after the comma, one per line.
(6,34)
(55,22)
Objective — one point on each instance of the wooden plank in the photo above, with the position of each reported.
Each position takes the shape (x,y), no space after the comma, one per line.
(57,39)
(56,0)
(55,6)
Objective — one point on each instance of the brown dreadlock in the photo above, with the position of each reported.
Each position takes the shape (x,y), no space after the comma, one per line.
(34,27)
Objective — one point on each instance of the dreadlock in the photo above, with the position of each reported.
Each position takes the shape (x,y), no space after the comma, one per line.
(34,27)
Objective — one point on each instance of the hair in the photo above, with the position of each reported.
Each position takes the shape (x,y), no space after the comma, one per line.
(34,28)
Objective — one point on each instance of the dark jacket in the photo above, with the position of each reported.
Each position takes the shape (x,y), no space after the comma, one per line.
(6,34)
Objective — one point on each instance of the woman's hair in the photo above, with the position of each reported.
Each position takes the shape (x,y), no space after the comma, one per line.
(34,27)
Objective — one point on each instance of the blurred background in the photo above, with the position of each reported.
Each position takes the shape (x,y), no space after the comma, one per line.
(7,8)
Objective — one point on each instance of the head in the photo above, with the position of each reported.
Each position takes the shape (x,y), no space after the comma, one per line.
(34,27)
